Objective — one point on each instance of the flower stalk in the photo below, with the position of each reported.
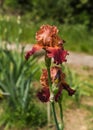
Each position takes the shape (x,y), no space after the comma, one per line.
(48,113)
(61,115)
(48,64)
(55,118)
(52,78)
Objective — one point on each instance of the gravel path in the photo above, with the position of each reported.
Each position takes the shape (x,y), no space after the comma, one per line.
(80,59)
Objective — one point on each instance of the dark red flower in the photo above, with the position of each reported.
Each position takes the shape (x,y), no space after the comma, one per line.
(44,94)
(68,89)
(58,54)
(48,39)
(61,87)
(57,77)
(58,94)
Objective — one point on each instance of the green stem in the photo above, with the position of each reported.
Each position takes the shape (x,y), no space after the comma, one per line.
(48,113)
(48,64)
(53,105)
(55,118)
(61,114)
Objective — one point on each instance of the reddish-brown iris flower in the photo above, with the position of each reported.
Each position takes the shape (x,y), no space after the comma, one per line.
(48,39)
(57,74)
(58,77)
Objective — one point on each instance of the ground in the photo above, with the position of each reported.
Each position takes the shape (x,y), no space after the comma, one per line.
(75,119)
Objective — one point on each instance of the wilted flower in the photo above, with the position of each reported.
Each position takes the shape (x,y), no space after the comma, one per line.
(57,78)
(48,39)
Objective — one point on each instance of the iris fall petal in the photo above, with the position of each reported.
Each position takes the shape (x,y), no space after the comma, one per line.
(58,54)
(32,51)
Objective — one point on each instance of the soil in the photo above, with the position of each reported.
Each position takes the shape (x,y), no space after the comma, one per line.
(76,119)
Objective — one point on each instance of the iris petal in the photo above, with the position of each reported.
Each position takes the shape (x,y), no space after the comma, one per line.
(58,94)
(32,51)
(68,88)
(58,54)
(44,94)
(45,33)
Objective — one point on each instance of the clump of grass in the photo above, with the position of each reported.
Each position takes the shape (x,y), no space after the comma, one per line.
(16,79)
(82,87)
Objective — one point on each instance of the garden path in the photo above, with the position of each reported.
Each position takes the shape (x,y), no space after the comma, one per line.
(80,59)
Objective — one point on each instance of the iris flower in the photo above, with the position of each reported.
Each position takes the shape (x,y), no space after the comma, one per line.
(57,77)
(47,38)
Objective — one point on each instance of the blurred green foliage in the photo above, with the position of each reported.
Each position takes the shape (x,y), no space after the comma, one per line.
(16,77)
(20,19)
(19,29)
(14,29)
(84,88)
(75,81)
(63,11)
